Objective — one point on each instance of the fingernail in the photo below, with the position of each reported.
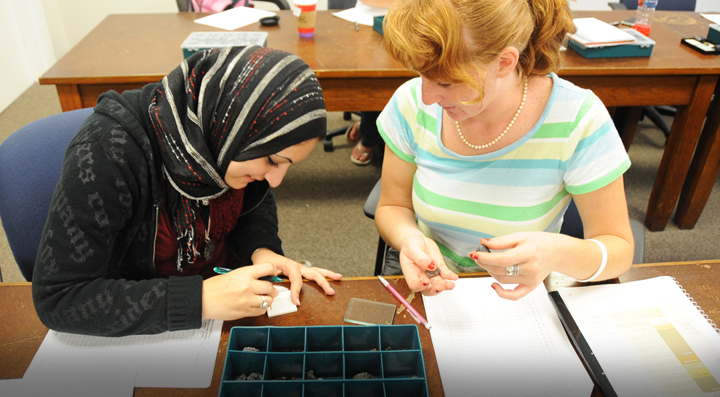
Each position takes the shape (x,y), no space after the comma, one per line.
(432,266)
(484,240)
(492,285)
(474,256)
(437,291)
(425,284)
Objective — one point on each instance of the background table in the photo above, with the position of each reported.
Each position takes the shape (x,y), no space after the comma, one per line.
(22,333)
(127,51)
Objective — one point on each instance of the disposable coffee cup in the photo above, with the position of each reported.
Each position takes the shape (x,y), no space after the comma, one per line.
(306,17)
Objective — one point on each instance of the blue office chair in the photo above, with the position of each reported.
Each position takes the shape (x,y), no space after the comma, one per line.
(572,226)
(30,163)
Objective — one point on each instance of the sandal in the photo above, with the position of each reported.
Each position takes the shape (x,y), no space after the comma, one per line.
(353,130)
(365,156)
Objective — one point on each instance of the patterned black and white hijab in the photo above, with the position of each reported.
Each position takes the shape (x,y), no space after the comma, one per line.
(238,103)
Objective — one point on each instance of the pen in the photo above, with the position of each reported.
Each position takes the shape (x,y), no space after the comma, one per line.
(223,270)
(414,313)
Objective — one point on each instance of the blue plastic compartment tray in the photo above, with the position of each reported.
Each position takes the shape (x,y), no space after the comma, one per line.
(642,47)
(323,361)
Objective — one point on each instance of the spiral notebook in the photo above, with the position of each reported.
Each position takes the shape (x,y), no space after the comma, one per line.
(642,338)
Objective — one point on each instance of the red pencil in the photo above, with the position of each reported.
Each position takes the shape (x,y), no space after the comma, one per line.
(413,313)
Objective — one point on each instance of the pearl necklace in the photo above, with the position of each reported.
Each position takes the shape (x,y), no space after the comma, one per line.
(494,141)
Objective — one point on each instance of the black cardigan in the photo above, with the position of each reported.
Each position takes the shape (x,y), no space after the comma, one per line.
(94,273)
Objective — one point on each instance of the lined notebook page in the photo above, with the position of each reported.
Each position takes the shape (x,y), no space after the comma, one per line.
(649,337)
(486,345)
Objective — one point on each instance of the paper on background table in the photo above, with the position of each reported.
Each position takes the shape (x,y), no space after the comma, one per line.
(363,14)
(491,346)
(234,18)
(593,30)
(714,18)
(183,359)
(622,324)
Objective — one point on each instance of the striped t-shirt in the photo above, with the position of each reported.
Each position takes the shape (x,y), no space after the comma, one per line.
(573,149)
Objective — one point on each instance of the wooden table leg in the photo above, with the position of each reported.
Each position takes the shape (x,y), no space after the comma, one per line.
(69,95)
(703,171)
(626,120)
(678,154)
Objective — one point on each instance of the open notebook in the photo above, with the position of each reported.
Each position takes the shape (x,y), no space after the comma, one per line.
(643,338)
(489,346)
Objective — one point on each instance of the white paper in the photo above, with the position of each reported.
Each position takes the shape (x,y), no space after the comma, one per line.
(714,18)
(362,13)
(234,18)
(486,345)
(640,331)
(593,30)
(178,359)
(282,304)
(57,383)
(12,388)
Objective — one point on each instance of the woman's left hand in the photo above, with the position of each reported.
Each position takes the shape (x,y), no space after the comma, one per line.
(533,252)
(296,272)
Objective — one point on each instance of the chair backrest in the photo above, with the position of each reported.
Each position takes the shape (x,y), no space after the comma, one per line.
(30,163)
(573,226)
(341,4)
(665,5)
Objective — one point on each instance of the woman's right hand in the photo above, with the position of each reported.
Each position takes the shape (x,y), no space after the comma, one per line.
(237,294)
(418,254)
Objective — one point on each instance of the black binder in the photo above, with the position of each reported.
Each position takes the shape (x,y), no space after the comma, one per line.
(578,340)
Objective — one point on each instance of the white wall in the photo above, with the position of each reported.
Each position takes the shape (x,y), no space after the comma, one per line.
(35,33)
(707,6)
(592,5)
(25,47)
(71,20)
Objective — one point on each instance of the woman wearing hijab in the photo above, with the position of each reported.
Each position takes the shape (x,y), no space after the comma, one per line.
(164,183)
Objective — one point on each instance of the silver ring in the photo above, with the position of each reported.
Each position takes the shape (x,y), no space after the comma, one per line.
(265,303)
(513,270)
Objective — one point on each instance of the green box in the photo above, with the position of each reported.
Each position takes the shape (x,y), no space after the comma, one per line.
(199,41)
(642,47)
(378,24)
(713,35)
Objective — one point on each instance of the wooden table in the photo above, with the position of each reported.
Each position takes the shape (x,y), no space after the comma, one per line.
(21,332)
(131,50)
(128,51)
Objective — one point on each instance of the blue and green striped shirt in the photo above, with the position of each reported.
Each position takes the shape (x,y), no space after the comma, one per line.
(573,149)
